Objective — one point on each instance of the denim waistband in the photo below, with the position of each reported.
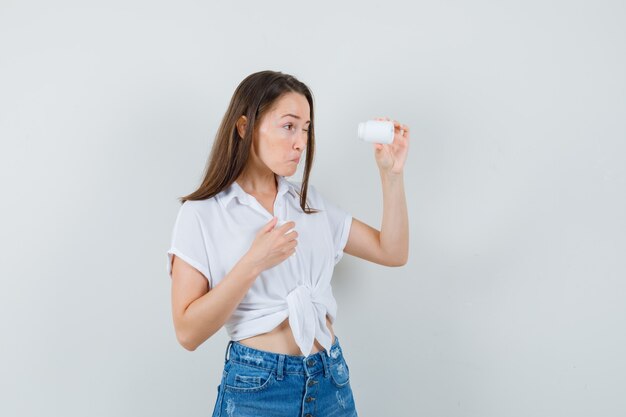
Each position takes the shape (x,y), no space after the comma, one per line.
(312,363)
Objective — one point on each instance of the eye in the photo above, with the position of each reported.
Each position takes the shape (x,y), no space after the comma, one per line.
(289,125)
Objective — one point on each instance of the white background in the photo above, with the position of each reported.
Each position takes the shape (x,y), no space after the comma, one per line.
(513,302)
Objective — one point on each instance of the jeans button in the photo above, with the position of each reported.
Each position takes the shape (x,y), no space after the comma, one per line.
(310,362)
(311,383)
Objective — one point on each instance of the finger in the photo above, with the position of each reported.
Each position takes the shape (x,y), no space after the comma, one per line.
(270,225)
(287,225)
(404,129)
(291,235)
(290,247)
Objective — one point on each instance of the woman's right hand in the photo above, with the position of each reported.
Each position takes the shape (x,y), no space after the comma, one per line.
(272,245)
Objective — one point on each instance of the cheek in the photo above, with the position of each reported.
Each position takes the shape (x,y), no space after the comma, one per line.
(274,148)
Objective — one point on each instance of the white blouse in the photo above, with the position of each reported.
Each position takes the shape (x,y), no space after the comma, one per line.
(213,234)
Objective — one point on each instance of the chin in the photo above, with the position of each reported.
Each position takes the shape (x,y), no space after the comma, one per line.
(291,168)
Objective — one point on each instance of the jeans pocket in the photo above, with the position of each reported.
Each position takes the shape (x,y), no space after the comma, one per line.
(339,371)
(247,378)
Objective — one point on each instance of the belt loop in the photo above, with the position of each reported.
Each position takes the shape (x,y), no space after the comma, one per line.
(279,371)
(230,342)
(324,357)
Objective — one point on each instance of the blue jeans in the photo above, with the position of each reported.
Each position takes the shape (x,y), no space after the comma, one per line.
(258,383)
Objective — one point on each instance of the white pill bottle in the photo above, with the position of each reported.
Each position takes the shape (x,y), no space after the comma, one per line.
(376,131)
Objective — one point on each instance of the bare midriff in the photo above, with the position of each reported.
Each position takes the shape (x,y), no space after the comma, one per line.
(281,340)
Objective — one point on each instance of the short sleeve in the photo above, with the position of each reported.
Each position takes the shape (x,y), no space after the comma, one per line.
(340,222)
(188,242)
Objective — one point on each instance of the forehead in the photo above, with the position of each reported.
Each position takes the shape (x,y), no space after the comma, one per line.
(292,103)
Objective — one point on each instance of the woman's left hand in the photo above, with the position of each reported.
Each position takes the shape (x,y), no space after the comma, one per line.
(390,157)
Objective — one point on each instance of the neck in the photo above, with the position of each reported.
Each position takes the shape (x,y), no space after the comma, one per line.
(258,183)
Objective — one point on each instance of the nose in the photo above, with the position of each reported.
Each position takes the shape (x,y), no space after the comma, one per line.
(301,142)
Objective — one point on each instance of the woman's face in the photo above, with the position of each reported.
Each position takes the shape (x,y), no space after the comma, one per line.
(282,134)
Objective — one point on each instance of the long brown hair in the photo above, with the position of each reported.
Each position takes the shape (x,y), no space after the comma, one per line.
(254,96)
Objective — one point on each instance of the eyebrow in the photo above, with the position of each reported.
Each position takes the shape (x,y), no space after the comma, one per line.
(292,115)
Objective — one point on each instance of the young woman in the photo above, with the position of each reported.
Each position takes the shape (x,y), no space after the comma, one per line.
(255,253)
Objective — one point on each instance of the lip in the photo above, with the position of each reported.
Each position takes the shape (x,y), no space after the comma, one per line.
(296,160)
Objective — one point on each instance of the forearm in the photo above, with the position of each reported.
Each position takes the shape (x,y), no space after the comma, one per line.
(394,232)
(207,314)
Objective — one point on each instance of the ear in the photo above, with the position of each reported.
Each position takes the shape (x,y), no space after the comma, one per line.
(242,123)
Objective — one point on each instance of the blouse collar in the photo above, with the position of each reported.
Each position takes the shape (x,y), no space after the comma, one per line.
(235,190)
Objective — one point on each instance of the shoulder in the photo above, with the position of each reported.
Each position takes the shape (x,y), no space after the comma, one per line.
(198,208)
(197,205)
